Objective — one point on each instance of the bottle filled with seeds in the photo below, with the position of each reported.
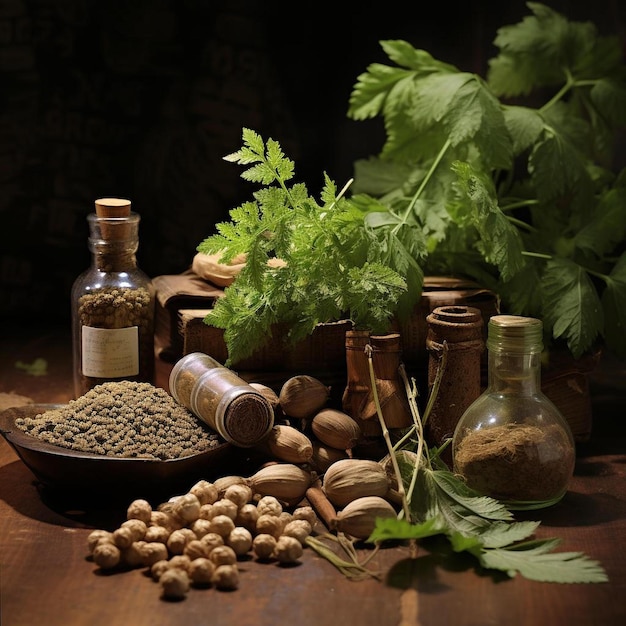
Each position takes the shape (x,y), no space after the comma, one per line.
(512,443)
(112,303)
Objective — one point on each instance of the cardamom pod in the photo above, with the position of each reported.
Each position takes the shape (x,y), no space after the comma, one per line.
(223,483)
(301,396)
(324,456)
(268,393)
(349,479)
(358,518)
(285,481)
(336,429)
(287,443)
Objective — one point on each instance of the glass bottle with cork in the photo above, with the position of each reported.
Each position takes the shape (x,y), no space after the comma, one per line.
(512,443)
(113,303)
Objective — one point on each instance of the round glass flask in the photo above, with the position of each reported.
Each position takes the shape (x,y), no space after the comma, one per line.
(512,443)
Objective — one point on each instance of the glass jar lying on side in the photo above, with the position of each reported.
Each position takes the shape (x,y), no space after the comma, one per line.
(218,396)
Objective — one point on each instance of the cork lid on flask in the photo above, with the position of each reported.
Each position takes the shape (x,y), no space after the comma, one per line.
(115,219)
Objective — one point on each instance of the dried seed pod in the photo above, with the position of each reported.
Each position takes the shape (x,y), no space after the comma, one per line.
(288,444)
(298,528)
(284,481)
(239,494)
(324,456)
(263,545)
(335,429)
(358,518)
(205,491)
(287,550)
(226,577)
(225,482)
(349,479)
(187,507)
(270,395)
(175,583)
(302,396)
(201,571)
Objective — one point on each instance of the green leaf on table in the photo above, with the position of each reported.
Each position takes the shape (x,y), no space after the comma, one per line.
(483,528)
(39,367)
(441,495)
(535,561)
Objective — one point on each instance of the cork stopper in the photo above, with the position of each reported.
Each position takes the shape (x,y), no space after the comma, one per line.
(112,207)
(247,420)
(114,218)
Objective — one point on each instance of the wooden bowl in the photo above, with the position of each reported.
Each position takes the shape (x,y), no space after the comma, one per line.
(81,473)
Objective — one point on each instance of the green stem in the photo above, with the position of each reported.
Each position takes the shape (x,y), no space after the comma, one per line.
(419,427)
(437,382)
(522,224)
(548,257)
(518,205)
(351,569)
(421,188)
(569,83)
(537,255)
(341,194)
(381,419)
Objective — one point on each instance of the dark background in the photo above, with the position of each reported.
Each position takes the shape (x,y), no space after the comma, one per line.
(142,99)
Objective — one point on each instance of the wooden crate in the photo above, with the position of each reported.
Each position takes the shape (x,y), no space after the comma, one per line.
(182,330)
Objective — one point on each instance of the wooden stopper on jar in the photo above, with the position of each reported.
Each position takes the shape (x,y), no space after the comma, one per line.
(112,207)
(114,218)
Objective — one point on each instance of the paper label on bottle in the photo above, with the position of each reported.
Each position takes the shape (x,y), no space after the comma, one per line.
(110,353)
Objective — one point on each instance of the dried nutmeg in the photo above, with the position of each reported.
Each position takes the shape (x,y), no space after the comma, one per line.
(284,481)
(302,396)
(223,483)
(270,395)
(287,443)
(324,456)
(349,479)
(358,518)
(336,429)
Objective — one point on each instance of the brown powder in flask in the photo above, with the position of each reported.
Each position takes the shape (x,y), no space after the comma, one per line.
(516,462)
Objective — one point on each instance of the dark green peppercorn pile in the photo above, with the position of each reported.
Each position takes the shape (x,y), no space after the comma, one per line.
(123,419)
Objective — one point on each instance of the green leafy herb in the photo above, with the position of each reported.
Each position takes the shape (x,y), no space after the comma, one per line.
(520,197)
(333,265)
(438,503)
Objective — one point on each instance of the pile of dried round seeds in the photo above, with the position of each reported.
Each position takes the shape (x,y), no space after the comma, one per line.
(196,540)
(123,419)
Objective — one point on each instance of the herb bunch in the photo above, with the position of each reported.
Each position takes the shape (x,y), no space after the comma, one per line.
(509,179)
(334,266)
(441,513)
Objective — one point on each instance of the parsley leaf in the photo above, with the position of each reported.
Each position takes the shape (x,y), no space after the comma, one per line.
(331,264)
(518,196)
(534,561)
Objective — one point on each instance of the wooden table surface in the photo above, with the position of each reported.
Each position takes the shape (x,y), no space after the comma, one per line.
(46,577)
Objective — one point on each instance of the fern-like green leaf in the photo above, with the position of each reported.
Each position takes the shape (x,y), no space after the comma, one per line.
(572,306)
